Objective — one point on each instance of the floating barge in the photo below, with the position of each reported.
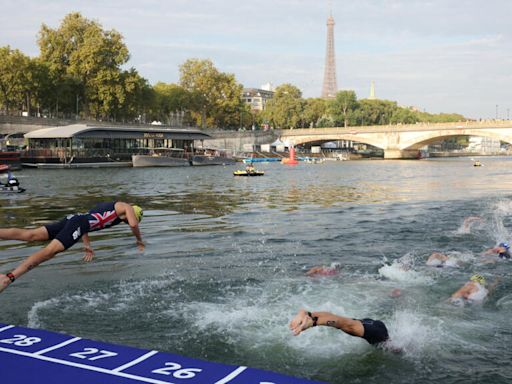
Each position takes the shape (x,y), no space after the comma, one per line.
(80,145)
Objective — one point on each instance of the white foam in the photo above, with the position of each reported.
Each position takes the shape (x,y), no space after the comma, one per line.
(33,319)
(413,334)
(397,272)
(119,298)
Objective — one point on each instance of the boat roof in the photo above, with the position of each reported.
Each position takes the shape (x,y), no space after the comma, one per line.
(126,132)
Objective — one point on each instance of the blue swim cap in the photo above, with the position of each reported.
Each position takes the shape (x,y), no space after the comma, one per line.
(504,245)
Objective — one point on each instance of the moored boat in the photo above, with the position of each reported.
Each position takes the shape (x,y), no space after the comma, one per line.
(11,159)
(162,157)
(211,157)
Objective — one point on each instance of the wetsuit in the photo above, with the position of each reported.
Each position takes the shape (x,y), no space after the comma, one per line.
(71,228)
(375,331)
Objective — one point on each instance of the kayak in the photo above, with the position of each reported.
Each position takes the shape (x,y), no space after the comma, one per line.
(245,173)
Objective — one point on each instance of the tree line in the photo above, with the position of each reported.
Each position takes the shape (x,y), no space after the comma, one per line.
(80,73)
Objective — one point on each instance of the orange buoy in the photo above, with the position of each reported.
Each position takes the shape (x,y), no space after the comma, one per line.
(291,160)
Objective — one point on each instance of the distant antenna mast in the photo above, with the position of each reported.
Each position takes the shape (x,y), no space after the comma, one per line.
(372,91)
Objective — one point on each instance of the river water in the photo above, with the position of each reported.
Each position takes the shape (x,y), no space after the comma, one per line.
(224,267)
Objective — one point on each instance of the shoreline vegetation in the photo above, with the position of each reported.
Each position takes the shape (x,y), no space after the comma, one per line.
(79,75)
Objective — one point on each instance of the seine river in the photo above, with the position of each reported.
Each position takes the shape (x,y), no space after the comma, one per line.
(224,267)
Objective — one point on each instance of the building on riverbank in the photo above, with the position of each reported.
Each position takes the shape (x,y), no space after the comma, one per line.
(257,98)
(82,144)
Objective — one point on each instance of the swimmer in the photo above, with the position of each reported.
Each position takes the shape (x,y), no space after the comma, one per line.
(503,251)
(373,331)
(469,221)
(474,291)
(250,168)
(68,231)
(437,259)
(323,270)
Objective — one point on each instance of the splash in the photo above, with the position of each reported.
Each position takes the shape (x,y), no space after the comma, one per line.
(398,271)
(413,334)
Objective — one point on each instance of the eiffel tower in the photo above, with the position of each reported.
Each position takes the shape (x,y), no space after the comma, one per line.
(330,88)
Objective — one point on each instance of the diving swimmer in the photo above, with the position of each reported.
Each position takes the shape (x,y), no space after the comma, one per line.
(68,231)
(373,331)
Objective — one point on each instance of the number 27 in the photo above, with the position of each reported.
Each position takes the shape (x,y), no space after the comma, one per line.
(92,351)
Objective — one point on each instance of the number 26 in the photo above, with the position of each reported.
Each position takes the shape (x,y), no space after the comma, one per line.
(185,373)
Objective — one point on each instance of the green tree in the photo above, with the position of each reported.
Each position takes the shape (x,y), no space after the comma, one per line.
(215,96)
(14,82)
(314,111)
(86,60)
(343,106)
(285,109)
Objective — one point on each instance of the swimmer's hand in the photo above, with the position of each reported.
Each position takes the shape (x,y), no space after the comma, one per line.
(300,322)
(140,245)
(89,254)
(4,282)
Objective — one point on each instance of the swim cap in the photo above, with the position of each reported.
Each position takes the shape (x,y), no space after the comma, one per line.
(504,245)
(478,279)
(138,212)
(336,265)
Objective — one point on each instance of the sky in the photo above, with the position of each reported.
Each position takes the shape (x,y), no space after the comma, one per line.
(452,56)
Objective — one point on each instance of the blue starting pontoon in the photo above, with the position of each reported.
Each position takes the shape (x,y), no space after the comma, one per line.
(35,356)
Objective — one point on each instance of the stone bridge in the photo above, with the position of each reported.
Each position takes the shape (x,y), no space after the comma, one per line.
(397,141)
(402,141)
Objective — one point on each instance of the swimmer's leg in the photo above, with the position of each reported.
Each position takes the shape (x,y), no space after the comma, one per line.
(36,234)
(48,252)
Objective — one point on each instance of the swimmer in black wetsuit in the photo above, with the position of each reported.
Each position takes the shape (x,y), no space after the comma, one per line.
(68,231)
(373,331)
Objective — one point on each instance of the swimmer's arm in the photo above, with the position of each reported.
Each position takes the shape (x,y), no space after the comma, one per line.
(464,292)
(136,232)
(132,222)
(303,321)
(313,271)
(89,252)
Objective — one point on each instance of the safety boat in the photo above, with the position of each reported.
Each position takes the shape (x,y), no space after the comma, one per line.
(247,173)
(477,164)
(11,189)
(11,186)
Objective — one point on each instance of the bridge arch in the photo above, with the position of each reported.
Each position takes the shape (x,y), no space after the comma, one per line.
(348,137)
(431,137)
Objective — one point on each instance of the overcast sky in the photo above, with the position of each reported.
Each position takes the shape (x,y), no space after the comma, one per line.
(437,55)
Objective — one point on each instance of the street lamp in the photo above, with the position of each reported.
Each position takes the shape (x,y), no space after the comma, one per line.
(77,98)
(496,111)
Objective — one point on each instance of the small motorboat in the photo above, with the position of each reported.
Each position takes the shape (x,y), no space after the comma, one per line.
(477,164)
(248,173)
(11,186)
(11,189)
